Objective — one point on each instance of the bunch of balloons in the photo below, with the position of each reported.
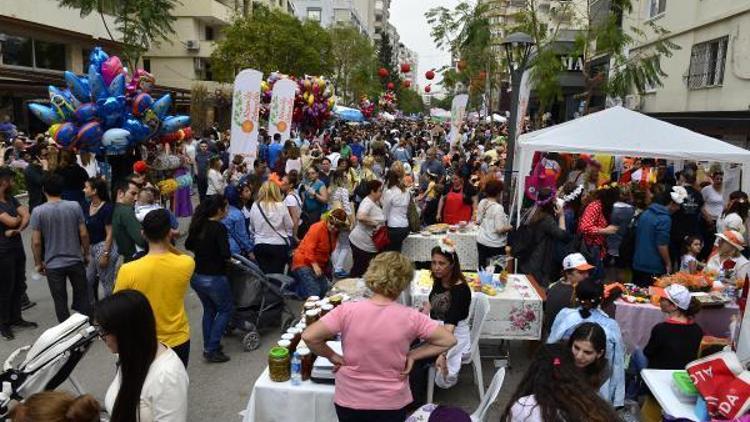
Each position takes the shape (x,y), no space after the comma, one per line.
(98,112)
(169,186)
(313,99)
(387,101)
(366,106)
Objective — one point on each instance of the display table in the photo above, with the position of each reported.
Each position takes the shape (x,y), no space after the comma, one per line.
(515,313)
(282,402)
(659,381)
(418,247)
(637,319)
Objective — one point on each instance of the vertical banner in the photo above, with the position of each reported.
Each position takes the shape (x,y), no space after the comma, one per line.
(523,101)
(245,111)
(458,114)
(282,107)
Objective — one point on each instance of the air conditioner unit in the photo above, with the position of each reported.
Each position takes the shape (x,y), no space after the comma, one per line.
(192,45)
(199,64)
(633,102)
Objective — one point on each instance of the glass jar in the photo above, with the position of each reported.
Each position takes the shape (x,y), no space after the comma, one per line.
(296,336)
(325,309)
(279,364)
(290,338)
(307,362)
(312,316)
(336,300)
(313,298)
(285,344)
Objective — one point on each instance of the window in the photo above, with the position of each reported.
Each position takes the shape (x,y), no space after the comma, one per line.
(85,59)
(147,65)
(49,55)
(378,4)
(657,7)
(314,13)
(707,61)
(209,33)
(16,51)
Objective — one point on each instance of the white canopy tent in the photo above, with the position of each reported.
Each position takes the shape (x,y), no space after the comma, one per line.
(621,132)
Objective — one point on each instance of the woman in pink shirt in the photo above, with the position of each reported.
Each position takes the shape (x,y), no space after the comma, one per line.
(372,378)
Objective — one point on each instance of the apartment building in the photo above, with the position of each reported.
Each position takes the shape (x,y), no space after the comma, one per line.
(410,57)
(707,87)
(382,15)
(335,12)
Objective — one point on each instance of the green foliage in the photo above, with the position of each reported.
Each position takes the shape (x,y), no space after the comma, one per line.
(410,102)
(198,107)
(354,64)
(385,60)
(142,23)
(272,40)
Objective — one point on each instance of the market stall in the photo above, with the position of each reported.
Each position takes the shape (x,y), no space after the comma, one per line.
(515,311)
(269,401)
(618,131)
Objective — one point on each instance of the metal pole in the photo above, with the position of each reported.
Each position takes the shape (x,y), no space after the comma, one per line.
(510,145)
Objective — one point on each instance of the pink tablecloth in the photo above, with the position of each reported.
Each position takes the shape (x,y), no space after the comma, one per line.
(637,320)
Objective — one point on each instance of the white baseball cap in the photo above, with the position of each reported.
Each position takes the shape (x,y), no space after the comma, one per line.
(678,295)
(576,261)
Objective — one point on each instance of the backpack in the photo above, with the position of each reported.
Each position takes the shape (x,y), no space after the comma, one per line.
(627,246)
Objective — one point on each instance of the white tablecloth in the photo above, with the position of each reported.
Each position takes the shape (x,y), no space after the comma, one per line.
(282,402)
(418,247)
(659,381)
(515,313)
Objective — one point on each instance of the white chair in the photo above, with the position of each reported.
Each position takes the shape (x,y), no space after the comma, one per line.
(480,307)
(497,383)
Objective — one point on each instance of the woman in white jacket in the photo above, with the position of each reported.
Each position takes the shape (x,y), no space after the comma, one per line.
(273,228)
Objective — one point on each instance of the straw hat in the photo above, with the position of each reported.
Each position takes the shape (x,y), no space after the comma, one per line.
(732,237)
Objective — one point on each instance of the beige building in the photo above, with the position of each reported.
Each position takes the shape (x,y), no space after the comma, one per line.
(707,87)
(382,15)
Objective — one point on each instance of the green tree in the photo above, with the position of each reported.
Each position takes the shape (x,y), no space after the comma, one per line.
(410,102)
(354,63)
(598,34)
(142,23)
(385,60)
(272,40)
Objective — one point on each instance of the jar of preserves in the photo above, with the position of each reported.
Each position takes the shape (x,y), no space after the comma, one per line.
(285,344)
(290,338)
(336,300)
(312,316)
(325,309)
(307,362)
(279,364)
(313,298)
(296,336)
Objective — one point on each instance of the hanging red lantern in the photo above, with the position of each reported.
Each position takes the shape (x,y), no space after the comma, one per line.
(383,72)
(482,75)
(461,65)
(390,86)
(407,83)
(405,68)
(430,74)
(428,88)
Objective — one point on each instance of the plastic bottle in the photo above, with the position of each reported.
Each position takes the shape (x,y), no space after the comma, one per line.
(296,369)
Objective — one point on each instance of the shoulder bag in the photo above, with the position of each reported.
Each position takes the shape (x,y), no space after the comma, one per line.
(284,238)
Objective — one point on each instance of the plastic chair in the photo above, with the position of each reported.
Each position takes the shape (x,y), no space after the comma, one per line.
(497,383)
(480,307)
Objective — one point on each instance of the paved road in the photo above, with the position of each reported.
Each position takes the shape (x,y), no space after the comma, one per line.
(219,391)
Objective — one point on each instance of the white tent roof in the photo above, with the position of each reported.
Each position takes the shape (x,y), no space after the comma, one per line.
(623,132)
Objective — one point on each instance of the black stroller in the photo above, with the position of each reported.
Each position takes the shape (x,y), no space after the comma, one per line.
(259,299)
(49,362)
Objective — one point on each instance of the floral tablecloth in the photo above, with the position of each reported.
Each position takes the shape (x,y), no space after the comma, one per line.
(515,313)
(417,247)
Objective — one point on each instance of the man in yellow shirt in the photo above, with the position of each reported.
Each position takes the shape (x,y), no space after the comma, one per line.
(163,276)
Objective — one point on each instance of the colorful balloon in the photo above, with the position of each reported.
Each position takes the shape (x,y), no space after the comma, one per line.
(383,72)
(405,68)
(110,69)
(97,57)
(117,86)
(89,135)
(115,141)
(111,111)
(173,123)
(141,103)
(161,106)
(46,114)
(96,84)
(85,112)
(138,130)
(79,87)
(65,134)
(430,74)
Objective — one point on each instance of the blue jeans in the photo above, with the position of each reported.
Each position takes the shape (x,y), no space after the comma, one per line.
(216,297)
(308,284)
(634,385)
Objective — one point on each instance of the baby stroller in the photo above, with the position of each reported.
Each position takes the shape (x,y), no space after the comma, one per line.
(259,301)
(48,362)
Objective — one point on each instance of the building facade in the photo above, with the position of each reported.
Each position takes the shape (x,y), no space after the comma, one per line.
(707,87)
(335,12)
(410,57)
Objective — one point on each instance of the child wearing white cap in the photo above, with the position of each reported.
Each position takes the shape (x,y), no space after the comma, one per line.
(560,294)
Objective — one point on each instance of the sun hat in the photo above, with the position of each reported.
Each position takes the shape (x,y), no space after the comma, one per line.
(678,295)
(576,261)
(678,194)
(732,237)
(734,222)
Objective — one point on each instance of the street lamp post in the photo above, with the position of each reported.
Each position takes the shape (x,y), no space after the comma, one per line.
(517,51)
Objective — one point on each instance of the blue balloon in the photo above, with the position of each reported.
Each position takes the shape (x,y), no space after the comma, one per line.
(46,114)
(111,111)
(174,123)
(62,103)
(78,86)
(96,84)
(89,134)
(86,112)
(65,134)
(97,57)
(138,130)
(117,86)
(161,106)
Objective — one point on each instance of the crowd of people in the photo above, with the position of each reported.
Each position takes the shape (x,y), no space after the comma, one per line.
(340,203)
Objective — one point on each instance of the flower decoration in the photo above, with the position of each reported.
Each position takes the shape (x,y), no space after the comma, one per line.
(447,245)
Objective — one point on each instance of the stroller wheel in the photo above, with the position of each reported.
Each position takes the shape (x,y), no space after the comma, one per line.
(251,341)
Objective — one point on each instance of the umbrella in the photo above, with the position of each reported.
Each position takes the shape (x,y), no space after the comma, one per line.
(350,114)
